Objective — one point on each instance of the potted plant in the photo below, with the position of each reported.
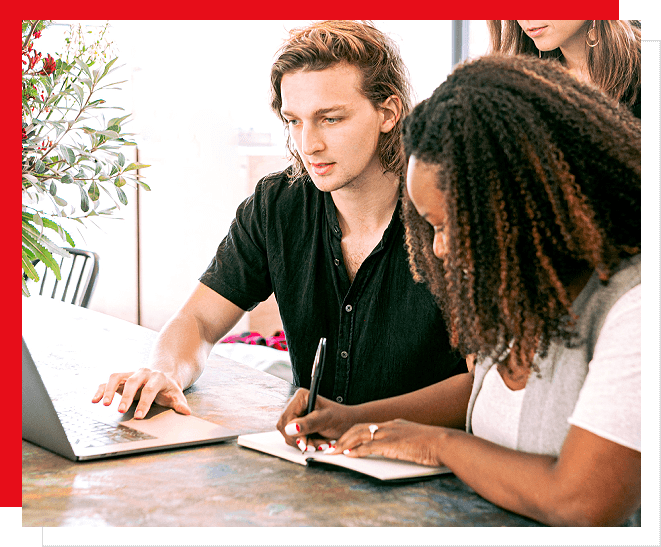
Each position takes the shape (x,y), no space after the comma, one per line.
(68,143)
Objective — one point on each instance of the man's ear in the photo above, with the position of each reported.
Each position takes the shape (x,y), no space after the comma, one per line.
(391,111)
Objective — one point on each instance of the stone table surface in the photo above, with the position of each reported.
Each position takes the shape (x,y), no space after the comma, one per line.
(214,485)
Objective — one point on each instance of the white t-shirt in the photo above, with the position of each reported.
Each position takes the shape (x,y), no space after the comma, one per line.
(609,404)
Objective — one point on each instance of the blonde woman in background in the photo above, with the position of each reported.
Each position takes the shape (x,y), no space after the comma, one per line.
(604,53)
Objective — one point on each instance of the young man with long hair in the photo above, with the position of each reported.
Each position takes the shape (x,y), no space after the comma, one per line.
(324,235)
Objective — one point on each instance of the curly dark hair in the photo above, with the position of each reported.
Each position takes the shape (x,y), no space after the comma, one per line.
(542,178)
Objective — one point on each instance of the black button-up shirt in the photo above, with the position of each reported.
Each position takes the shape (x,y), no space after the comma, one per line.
(385,334)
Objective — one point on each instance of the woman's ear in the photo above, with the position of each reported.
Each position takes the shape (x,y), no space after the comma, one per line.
(391,111)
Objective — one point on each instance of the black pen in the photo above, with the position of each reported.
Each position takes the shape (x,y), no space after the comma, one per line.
(317,370)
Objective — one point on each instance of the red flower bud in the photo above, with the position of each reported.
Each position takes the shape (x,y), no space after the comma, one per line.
(34,60)
(48,66)
(37,34)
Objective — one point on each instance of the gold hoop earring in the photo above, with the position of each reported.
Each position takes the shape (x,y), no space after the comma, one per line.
(591,38)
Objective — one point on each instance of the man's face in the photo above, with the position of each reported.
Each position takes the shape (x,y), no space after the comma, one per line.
(335,128)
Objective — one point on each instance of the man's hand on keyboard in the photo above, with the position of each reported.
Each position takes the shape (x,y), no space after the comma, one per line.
(148,386)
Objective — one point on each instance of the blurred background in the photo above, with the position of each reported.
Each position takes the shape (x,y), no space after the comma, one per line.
(198,93)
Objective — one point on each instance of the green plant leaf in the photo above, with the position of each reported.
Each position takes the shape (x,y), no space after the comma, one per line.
(67,179)
(93,191)
(121,159)
(43,248)
(48,223)
(117,121)
(108,67)
(83,66)
(53,188)
(119,182)
(84,200)
(36,218)
(29,269)
(30,233)
(26,292)
(80,94)
(108,133)
(68,154)
(132,166)
(121,195)
(30,178)
(39,167)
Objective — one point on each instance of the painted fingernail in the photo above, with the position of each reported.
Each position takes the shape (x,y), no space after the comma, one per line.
(121,407)
(139,414)
(106,400)
(301,445)
(292,428)
(310,448)
(333,443)
(346,451)
(330,450)
(323,447)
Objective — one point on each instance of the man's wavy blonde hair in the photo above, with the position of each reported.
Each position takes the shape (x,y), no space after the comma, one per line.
(358,43)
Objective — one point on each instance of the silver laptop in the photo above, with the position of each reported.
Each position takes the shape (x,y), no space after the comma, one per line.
(80,433)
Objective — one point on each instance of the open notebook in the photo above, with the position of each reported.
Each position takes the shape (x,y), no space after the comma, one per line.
(378,467)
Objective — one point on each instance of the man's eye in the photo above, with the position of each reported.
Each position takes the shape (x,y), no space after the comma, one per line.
(332,120)
(292,122)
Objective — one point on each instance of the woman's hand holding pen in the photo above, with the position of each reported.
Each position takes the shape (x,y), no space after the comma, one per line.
(332,425)
(328,421)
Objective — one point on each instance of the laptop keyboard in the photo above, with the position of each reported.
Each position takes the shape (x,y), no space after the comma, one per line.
(84,431)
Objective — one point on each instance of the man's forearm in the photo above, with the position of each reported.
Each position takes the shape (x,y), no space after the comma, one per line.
(181,350)
(184,343)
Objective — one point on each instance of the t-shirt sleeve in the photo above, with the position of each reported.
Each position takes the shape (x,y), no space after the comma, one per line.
(239,271)
(609,404)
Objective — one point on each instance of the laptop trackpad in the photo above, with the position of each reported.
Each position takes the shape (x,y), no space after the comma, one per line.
(162,422)
(154,411)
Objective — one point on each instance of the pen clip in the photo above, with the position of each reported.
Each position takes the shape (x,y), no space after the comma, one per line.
(317,357)
(317,370)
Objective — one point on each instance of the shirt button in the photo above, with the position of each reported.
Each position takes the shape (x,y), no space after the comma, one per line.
(337,261)
(336,229)
(348,308)
(339,399)
(344,355)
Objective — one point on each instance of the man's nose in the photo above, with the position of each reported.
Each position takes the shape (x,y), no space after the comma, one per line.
(311,141)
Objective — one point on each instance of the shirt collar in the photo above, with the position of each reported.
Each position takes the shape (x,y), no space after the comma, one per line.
(334,225)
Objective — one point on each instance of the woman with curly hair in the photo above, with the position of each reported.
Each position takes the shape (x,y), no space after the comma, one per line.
(522,211)
(605,53)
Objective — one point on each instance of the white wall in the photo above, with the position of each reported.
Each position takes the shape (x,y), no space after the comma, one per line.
(191,85)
